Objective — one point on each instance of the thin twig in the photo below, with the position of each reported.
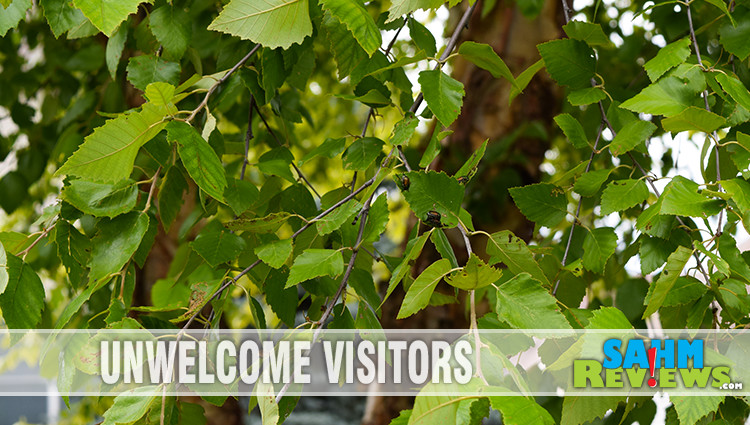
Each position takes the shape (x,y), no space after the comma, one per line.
(43,235)
(221,80)
(248,135)
(448,49)
(278,142)
(344,281)
(152,189)
(473,315)
(708,108)
(580,202)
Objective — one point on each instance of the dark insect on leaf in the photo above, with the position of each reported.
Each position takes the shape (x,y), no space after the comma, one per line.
(433,219)
(402,181)
(463,179)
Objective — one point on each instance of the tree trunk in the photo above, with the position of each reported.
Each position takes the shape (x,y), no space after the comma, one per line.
(487,115)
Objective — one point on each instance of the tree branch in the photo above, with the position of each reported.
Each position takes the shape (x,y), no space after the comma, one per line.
(580,202)
(221,80)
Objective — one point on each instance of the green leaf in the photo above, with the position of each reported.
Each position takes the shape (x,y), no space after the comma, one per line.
(434,147)
(483,56)
(472,411)
(353,14)
(199,159)
(589,183)
(314,263)
(146,69)
(275,253)
(682,198)
(474,275)
(599,245)
(542,203)
(443,95)
(347,52)
(373,98)
(411,252)
(418,295)
(434,191)
(721,265)
(669,96)
(377,219)
(654,252)
(267,224)
(114,244)
(269,409)
(115,45)
(131,405)
(685,290)
(586,96)
(443,246)
(12,15)
(101,199)
(731,254)
(691,409)
(523,303)
(362,153)
(3,269)
(22,299)
(569,62)
(404,130)
(331,148)
(272,71)
(402,7)
(107,14)
(283,301)
(658,291)
(171,27)
(592,34)
(667,58)
(217,245)
(240,195)
(521,411)
(471,164)
(734,39)
(581,409)
(630,136)
(62,16)
(524,79)
(170,200)
(338,217)
(735,88)
(512,251)
(620,195)
(723,7)
(251,20)
(573,130)
(107,155)
(693,119)
(276,162)
(422,37)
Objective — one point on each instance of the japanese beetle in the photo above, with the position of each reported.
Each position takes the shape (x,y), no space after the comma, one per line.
(433,219)
(402,181)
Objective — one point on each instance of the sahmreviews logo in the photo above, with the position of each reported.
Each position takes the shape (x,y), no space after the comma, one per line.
(678,362)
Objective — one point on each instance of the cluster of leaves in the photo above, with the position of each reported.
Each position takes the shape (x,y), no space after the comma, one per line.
(170,131)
